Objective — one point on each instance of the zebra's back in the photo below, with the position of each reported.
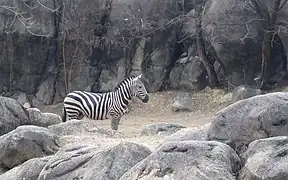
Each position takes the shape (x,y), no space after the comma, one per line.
(92,105)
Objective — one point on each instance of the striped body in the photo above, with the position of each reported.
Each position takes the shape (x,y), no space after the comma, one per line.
(101,106)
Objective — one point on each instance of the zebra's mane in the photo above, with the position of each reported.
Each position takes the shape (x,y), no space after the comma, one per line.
(124,82)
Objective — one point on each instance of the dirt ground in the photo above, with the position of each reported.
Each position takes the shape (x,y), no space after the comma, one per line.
(159,109)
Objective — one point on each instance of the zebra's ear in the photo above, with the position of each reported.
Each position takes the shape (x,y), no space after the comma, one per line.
(140,76)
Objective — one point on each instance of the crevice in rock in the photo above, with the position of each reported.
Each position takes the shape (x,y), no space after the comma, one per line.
(164,172)
(15,114)
(282,122)
(178,51)
(74,168)
(176,149)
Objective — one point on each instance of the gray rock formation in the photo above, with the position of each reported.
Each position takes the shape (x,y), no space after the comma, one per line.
(239,51)
(188,73)
(197,160)
(251,119)
(57,56)
(266,159)
(29,170)
(24,143)
(182,102)
(92,163)
(12,115)
(186,134)
(244,92)
(39,118)
(161,129)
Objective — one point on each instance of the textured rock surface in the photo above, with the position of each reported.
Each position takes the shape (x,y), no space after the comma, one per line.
(251,119)
(12,115)
(161,129)
(182,102)
(244,92)
(196,133)
(42,119)
(24,143)
(266,159)
(197,160)
(29,170)
(188,73)
(239,52)
(93,163)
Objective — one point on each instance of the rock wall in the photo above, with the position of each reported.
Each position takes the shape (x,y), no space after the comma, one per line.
(59,46)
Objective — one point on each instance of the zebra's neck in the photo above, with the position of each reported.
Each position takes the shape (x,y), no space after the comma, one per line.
(123,95)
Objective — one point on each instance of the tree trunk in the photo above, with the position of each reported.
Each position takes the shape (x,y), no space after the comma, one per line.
(208,64)
(267,42)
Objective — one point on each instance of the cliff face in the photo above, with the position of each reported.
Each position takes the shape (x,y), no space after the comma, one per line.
(57,46)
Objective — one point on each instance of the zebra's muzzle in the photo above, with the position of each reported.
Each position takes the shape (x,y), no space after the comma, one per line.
(146,99)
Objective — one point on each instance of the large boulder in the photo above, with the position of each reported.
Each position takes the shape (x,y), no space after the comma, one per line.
(12,115)
(251,119)
(39,118)
(29,170)
(237,40)
(197,160)
(188,73)
(24,143)
(84,162)
(266,159)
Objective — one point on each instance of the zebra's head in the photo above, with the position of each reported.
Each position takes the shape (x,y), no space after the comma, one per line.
(138,89)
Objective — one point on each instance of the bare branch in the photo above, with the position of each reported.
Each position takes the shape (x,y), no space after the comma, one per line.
(283,4)
(45,7)
(26,22)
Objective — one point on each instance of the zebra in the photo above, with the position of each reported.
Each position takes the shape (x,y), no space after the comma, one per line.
(101,106)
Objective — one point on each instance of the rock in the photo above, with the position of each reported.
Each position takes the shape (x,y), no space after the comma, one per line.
(42,119)
(161,129)
(194,133)
(22,98)
(266,159)
(80,127)
(138,58)
(29,170)
(251,119)
(36,102)
(46,91)
(182,102)
(160,59)
(197,160)
(241,52)
(50,119)
(108,80)
(244,92)
(189,74)
(24,143)
(94,163)
(12,115)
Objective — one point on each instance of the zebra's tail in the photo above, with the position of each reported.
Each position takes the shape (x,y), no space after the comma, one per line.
(64,114)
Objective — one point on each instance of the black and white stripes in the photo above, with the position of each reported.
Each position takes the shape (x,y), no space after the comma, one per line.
(100,106)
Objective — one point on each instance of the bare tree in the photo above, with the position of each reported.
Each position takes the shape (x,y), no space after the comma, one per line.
(207,62)
(22,11)
(271,30)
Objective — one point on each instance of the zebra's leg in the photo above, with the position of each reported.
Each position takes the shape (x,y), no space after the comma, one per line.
(115,123)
